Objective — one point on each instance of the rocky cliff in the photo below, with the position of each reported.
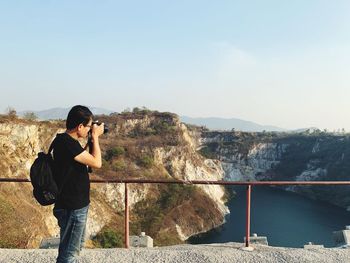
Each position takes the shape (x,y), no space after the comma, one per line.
(142,145)
(23,222)
(157,145)
(283,156)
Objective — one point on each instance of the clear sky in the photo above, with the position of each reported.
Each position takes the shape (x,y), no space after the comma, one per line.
(281,62)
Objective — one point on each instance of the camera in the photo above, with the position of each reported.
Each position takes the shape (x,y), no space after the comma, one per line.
(105,130)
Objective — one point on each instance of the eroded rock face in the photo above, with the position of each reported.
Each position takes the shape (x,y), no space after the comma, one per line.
(20,142)
(184,163)
(302,157)
(241,159)
(238,156)
(174,150)
(259,159)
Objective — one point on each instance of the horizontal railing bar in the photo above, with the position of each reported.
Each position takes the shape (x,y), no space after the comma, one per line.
(205,182)
(15,180)
(199,182)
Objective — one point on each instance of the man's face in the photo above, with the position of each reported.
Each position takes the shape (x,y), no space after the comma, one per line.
(83,130)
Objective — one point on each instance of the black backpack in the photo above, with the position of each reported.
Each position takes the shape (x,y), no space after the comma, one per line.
(42,171)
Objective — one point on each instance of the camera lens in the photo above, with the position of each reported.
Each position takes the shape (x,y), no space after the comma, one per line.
(105,130)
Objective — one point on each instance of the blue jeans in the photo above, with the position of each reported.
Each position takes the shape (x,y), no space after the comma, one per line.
(72,225)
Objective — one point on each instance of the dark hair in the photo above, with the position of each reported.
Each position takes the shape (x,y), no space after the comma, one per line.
(77,115)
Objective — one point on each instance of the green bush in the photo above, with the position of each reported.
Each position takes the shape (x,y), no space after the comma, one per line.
(150,216)
(150,131)
(146,161)
(143,110)
(119,165)
(175,194)
(108,238)
(105,165)
(162,127)
(114,152)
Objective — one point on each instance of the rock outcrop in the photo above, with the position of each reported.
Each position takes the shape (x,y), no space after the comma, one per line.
(280,156)
(172,151)
(157,145)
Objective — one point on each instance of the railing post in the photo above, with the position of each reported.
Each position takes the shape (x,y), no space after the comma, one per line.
(249,189)
(126,217)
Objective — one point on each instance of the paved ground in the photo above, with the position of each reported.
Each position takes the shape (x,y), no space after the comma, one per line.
(213,253)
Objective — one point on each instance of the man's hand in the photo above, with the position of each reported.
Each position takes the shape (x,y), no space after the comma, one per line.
(93,158)
(97,130)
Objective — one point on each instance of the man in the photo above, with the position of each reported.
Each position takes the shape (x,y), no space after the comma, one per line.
(71,161)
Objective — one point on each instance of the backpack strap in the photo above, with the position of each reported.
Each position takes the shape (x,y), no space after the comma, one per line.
(52,146)
(66,171)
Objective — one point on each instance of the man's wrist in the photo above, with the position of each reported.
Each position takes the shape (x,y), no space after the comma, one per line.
(94,138)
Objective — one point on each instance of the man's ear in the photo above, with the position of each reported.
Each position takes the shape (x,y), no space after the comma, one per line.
(80,127)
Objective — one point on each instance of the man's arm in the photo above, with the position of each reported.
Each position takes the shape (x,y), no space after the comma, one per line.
(94,160)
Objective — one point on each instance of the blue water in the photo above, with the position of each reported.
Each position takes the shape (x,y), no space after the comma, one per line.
(287,219)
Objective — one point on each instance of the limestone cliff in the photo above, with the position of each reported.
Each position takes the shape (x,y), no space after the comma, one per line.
(20,142)
(282,156)
(152,145)
(173,151)
(157,145)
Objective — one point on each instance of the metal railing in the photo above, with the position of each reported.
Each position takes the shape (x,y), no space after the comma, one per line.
(249,185)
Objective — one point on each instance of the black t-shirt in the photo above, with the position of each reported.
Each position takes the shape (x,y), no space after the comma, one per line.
(71,174)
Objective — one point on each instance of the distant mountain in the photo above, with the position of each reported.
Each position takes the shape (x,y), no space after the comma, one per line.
(61,113)
(228,124)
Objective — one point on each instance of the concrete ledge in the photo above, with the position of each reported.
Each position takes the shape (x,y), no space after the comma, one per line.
(222,253)
(313,246)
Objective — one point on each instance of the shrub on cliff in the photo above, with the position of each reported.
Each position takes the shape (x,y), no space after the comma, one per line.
(11,113)
(108,238)
(145,161)
(114,152)
(30,116)
(163,126)
(151,212)
(119,165)
(142,110)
